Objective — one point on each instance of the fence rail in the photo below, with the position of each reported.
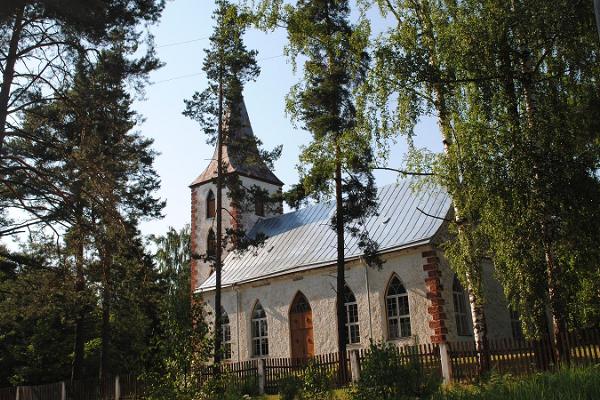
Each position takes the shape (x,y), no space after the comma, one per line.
(117,388)
(326,365)
(521,357)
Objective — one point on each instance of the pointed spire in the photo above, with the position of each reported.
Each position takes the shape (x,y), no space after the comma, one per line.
(240,152)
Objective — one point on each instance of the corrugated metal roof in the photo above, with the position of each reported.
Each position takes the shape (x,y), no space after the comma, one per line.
(303,239)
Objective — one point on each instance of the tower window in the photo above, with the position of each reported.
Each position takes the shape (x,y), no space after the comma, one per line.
(210,205)
(259,206)
(211,244)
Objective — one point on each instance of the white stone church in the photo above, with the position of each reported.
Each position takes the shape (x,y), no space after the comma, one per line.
(279,299)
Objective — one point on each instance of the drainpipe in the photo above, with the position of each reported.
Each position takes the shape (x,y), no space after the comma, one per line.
(237,316)
(368,300)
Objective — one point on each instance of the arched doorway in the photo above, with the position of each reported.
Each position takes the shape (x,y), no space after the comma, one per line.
(301,328)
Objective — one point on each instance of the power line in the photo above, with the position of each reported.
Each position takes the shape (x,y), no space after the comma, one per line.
(183,42)
(201,73)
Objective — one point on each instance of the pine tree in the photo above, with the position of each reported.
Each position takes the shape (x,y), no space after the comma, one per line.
(339,159)
(229,65)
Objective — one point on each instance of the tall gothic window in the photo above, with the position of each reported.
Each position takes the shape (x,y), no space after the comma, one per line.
(210,205)
(259,206)
(515,324)
(211,244)
(260,332)
(398,313)
(461,314)
(226,334)
(352,327)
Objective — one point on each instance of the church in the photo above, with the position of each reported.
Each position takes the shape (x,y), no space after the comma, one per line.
(279,299)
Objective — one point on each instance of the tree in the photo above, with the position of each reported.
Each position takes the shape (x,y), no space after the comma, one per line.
(417,72)
(229,65)
(98,174)
(41,42)
(339,159)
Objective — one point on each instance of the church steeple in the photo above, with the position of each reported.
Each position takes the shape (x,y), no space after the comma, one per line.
(242,157)
(240,153)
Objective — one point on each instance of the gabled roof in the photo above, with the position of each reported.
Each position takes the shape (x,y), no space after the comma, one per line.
(303,239)
(250,165)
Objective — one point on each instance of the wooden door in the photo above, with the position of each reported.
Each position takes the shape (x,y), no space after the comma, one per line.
(301,328)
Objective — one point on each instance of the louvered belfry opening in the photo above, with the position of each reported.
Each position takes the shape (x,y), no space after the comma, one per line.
(301,328)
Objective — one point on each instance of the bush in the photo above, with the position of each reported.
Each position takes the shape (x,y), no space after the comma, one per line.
(226,387)
(290,388)
(384,377)
(318,385)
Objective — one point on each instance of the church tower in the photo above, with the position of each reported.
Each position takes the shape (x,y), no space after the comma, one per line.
(251,171)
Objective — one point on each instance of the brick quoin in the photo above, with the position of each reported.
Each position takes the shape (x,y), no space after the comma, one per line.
(431,267)
(193,227)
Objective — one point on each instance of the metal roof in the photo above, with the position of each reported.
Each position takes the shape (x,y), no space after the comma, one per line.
(408,215)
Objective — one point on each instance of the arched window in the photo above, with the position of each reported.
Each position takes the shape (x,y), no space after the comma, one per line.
(352,327)
(259,206)
(260,332)
(210,205)
(515,324)
(211,244)
(461,313)
(226,334)
(398,313)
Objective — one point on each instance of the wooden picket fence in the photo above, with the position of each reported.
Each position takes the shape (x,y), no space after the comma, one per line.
(521,357)
(327,365)
(118,388)
(244,375)
(426,357)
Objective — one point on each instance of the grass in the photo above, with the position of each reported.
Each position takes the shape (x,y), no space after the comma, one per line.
(567,384)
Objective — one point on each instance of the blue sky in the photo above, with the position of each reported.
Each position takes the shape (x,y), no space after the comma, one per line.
(184,152)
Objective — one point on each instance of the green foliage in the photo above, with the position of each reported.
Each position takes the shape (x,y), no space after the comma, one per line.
(290,387)
(318,384)
(384,377)
(566,384)
(226,387)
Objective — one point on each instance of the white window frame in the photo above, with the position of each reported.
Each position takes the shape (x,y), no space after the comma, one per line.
(259,331)
(401,321)
(351,307)
(226,335)
(461,311)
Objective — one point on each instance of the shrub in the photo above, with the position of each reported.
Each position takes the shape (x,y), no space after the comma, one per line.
(225,387)
(384,377)
(290,388)
(318,385)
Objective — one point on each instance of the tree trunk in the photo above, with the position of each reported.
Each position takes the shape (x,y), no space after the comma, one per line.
(78,348)
(219,240)
(473,276)
(341,281)
(8,74)
(105,328)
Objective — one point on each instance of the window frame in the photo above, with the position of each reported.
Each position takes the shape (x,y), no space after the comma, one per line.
(401,321)
(351,309)
(259,331)
(211,205)
(226,335)
(211,244)
(461,311)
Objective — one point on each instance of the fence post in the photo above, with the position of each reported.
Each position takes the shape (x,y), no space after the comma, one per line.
(261,376)
(63,391)
(18,390)
(354,365)
(446,364)
(117,388)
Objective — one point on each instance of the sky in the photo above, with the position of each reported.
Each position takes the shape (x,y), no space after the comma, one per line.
(181,37)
